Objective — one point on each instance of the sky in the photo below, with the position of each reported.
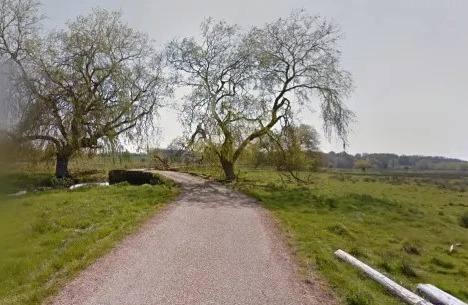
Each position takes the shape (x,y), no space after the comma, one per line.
(408,58)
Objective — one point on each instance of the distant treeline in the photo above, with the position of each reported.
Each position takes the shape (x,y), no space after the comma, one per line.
(342,160)
(393,161)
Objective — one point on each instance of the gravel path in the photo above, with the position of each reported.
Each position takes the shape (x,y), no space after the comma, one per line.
(211,246)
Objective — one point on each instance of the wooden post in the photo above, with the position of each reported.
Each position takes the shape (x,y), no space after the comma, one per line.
(406,295)
(438,296)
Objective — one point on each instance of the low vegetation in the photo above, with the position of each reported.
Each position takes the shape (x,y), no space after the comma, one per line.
(403,229)
(38,175)
(47,237)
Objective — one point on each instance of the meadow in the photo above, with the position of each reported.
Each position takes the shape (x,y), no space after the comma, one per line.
(37,176)
(401,224)
(49,236)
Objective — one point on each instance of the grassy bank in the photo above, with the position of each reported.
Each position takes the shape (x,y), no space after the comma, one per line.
(13,182)
(46,238)
(402,229)
(18,176)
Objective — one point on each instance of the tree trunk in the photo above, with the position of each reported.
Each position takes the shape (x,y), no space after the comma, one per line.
(406,295)
(438,296)
(61,166)
(228,167)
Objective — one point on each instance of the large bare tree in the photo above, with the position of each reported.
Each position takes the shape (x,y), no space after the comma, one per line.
(244,83)
(93,83)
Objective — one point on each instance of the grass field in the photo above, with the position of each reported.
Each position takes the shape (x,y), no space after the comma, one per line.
(400,226)
(47,237)
(404,230)
(400,223)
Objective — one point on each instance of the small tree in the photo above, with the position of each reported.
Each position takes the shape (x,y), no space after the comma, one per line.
(292,148)
(362,165)
(157,159)
(94,83)
(244,83)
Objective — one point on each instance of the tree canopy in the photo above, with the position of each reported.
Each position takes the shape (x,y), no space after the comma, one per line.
(98,82)
(245,83)
(90,84)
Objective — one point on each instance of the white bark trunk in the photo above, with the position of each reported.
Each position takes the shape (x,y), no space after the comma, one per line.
(437,296)
(406,295)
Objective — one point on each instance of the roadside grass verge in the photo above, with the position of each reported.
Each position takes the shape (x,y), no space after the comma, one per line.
(14,181)
(402,230)
(47,237)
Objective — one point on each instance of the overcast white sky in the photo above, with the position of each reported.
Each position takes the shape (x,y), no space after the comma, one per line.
(409,60)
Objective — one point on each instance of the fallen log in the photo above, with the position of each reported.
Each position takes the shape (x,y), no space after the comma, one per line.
(438,296)
(400,291)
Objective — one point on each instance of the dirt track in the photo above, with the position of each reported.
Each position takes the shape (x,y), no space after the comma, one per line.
(211,246)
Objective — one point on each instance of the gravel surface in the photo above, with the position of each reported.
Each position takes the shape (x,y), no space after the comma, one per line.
(211,246)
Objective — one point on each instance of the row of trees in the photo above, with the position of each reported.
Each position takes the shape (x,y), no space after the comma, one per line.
(99,83)
(385,161)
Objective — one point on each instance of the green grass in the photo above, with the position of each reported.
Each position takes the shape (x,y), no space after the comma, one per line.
(402,229)
(18,176)
(14,181)
(47,237)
